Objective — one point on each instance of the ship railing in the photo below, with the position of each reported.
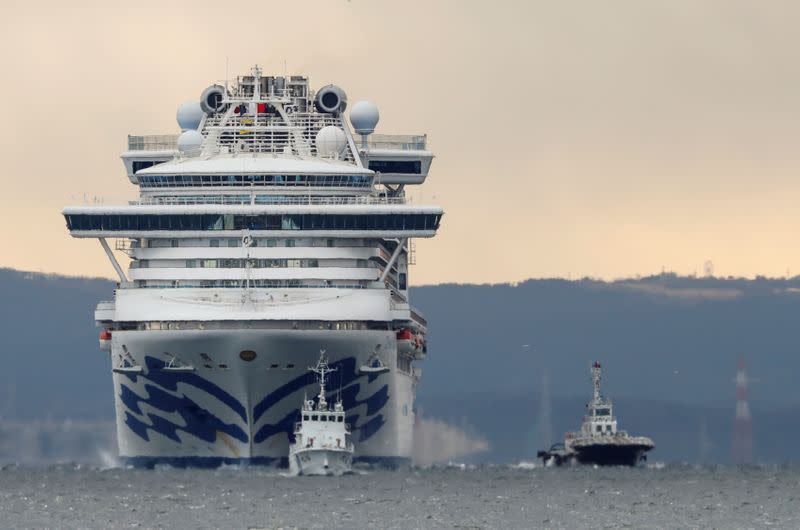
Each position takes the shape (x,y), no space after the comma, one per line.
(153,142)
(171,285)
(269,134)
(246,186)
(303,201)
(405,142)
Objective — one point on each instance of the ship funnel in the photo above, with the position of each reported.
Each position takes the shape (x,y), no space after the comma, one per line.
(331,99)
(211,100)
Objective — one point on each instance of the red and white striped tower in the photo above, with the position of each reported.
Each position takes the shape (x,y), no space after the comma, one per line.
(743,429)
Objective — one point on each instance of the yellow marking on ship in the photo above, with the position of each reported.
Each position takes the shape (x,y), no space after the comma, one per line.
(227,441)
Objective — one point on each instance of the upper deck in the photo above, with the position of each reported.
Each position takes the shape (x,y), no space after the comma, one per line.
(268,187)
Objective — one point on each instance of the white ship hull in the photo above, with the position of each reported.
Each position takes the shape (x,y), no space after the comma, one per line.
(326,462)
(231,410)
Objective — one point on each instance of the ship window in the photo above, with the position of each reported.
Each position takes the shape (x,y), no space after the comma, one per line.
(214,243)
(323,418)
(403,281)
(210,222)
(142,164)
(290,242)
(599,428)
(233,243)
(314,417)
(331,418)
(174,242)
(272,243)
(602,412)
(409,167)
(340,419)
(190,264)
(608,428)
(305,417)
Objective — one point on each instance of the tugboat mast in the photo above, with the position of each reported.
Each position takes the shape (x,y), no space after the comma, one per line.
(322,369)
(596,378)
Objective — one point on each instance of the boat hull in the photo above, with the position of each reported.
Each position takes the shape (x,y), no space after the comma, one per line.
(611,455)
(330,462)
(234,409)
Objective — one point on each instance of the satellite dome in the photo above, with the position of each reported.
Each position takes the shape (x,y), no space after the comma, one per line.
(364,117)
(190,141)
(189,115)
(330,141)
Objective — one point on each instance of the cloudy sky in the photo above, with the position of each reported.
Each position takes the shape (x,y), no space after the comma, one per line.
(572,138)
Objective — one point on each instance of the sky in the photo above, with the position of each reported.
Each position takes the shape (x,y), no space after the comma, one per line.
(572,138)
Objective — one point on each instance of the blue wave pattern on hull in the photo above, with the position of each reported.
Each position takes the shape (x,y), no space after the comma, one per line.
(169,381)
(205,425)
(198,421)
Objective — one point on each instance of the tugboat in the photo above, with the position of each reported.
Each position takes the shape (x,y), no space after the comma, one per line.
(322,443)
(599,442)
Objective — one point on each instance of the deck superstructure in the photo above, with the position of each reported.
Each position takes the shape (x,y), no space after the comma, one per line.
(264,232)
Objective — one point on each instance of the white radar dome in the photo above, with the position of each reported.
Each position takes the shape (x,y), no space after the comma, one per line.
(190,142)
(330,141)
(189,115)
(364,117)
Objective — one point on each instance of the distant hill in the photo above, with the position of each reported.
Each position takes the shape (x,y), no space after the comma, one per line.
(669,346)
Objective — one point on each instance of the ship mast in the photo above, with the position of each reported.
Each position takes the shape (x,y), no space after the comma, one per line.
(322,369)
(596,380)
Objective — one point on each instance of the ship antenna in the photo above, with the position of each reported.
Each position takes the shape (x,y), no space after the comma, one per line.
(596,379)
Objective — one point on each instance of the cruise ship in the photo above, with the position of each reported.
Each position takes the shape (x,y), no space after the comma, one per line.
(264,232)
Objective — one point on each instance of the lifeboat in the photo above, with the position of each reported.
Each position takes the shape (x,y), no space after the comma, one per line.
(410,342)
(374,365)
(105,340)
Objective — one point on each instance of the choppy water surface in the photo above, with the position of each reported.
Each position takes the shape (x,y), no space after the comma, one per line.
(476,497)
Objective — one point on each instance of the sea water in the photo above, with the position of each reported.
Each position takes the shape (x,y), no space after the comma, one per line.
(463,496)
